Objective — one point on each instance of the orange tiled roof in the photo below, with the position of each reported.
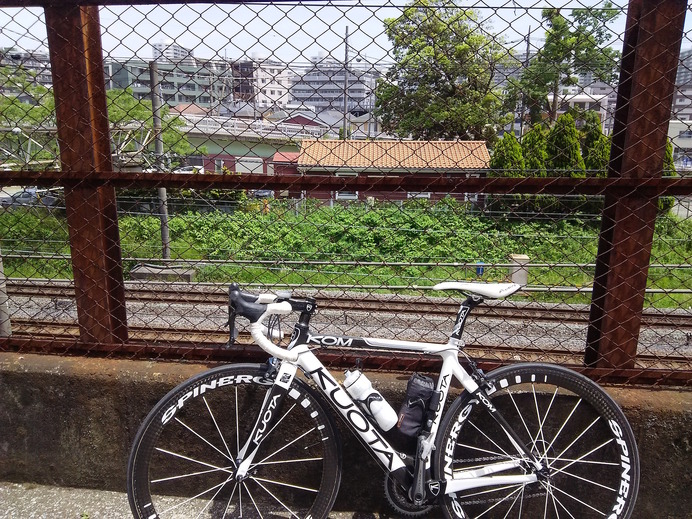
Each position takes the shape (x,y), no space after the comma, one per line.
(397,155)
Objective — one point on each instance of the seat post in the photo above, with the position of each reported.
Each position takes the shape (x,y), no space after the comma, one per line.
(471,302)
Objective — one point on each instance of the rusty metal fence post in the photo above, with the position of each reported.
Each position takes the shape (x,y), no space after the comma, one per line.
(647,80)
(83,134)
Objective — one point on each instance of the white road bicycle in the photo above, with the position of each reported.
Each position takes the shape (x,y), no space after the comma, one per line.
(524,441)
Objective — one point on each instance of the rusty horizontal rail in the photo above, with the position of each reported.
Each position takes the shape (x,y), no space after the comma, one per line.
(412,182)
(210,346)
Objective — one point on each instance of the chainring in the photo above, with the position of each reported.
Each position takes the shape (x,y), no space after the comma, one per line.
(398,500)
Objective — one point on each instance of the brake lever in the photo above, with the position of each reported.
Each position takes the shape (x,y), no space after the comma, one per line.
(232,331)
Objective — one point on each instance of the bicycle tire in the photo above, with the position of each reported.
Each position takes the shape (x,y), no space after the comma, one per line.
(569,423)
(183,456)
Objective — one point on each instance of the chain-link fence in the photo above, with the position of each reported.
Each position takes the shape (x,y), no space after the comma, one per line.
(359,153)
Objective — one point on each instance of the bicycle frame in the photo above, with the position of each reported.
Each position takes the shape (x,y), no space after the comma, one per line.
(299,355)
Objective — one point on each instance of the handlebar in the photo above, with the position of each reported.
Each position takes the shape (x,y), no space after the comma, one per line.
(257,308)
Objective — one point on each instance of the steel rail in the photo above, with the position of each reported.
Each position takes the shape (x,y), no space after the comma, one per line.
(211,294)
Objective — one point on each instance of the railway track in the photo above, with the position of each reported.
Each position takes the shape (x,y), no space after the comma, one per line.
(212,294)
(203,343)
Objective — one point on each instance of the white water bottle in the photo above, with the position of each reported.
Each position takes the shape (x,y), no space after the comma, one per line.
(369,399)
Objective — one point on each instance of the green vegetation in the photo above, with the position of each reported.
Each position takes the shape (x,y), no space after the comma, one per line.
(564,153)
(572,47)
(441,84)
(26,105)
(388,244)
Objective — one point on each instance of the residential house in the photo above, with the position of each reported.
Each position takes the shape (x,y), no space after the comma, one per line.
(375,159)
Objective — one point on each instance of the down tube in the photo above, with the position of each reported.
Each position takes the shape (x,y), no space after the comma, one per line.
(388,457)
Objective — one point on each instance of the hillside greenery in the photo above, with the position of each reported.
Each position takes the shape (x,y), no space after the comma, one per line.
(386,245)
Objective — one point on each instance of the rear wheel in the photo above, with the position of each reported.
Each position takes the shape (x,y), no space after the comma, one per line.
(569,424)
(184,456)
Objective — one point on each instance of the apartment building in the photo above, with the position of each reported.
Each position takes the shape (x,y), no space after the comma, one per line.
(325,81)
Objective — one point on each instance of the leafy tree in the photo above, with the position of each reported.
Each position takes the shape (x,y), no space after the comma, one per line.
(507,156)
(597,156)
(668,162)
(22,100)
(571,48)
(595,145)
(563,150)
(25,104)
(441,85)
(124,109)
(665,203)
(534,148)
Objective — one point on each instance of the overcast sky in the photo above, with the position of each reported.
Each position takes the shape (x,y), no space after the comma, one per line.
(287,31)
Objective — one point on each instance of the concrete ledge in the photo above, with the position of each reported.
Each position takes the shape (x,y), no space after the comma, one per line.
(70,422)
(164,273)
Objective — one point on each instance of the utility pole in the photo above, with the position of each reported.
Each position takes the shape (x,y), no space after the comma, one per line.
(345,135)
(523,96)
(158,150)
(5,324)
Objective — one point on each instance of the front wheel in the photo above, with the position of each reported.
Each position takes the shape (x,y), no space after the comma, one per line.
(572,427)
(185,454)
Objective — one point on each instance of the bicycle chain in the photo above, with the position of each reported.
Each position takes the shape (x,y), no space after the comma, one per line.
(496,499)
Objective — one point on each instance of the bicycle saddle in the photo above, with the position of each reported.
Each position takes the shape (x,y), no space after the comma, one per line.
(489,290)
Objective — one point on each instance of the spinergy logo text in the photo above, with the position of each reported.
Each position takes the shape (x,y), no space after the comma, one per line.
(625,464)
(210,386)
(449,453)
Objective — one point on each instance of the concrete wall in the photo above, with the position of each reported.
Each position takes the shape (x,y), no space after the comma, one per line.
(70,421)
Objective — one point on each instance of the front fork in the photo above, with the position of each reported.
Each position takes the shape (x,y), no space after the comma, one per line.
(267,419)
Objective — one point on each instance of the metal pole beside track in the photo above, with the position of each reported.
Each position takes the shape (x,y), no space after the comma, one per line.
(5,324)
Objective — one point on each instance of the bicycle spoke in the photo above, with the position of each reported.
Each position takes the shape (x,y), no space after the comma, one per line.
(516,499)
(564,424)
(181,456)
(492,441)
(253,501)
(611,489)
(552,500)
(277,499)
(558,471)
(205,440)
(191,474)
(211,500)
(230,499)
(282,448)
(578,437)
(280,483)
(217,427)
(498,503)
(557,501)
(558,489)
(587,462)
(283,462)
(519,414)
(541,423)
(189,499)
